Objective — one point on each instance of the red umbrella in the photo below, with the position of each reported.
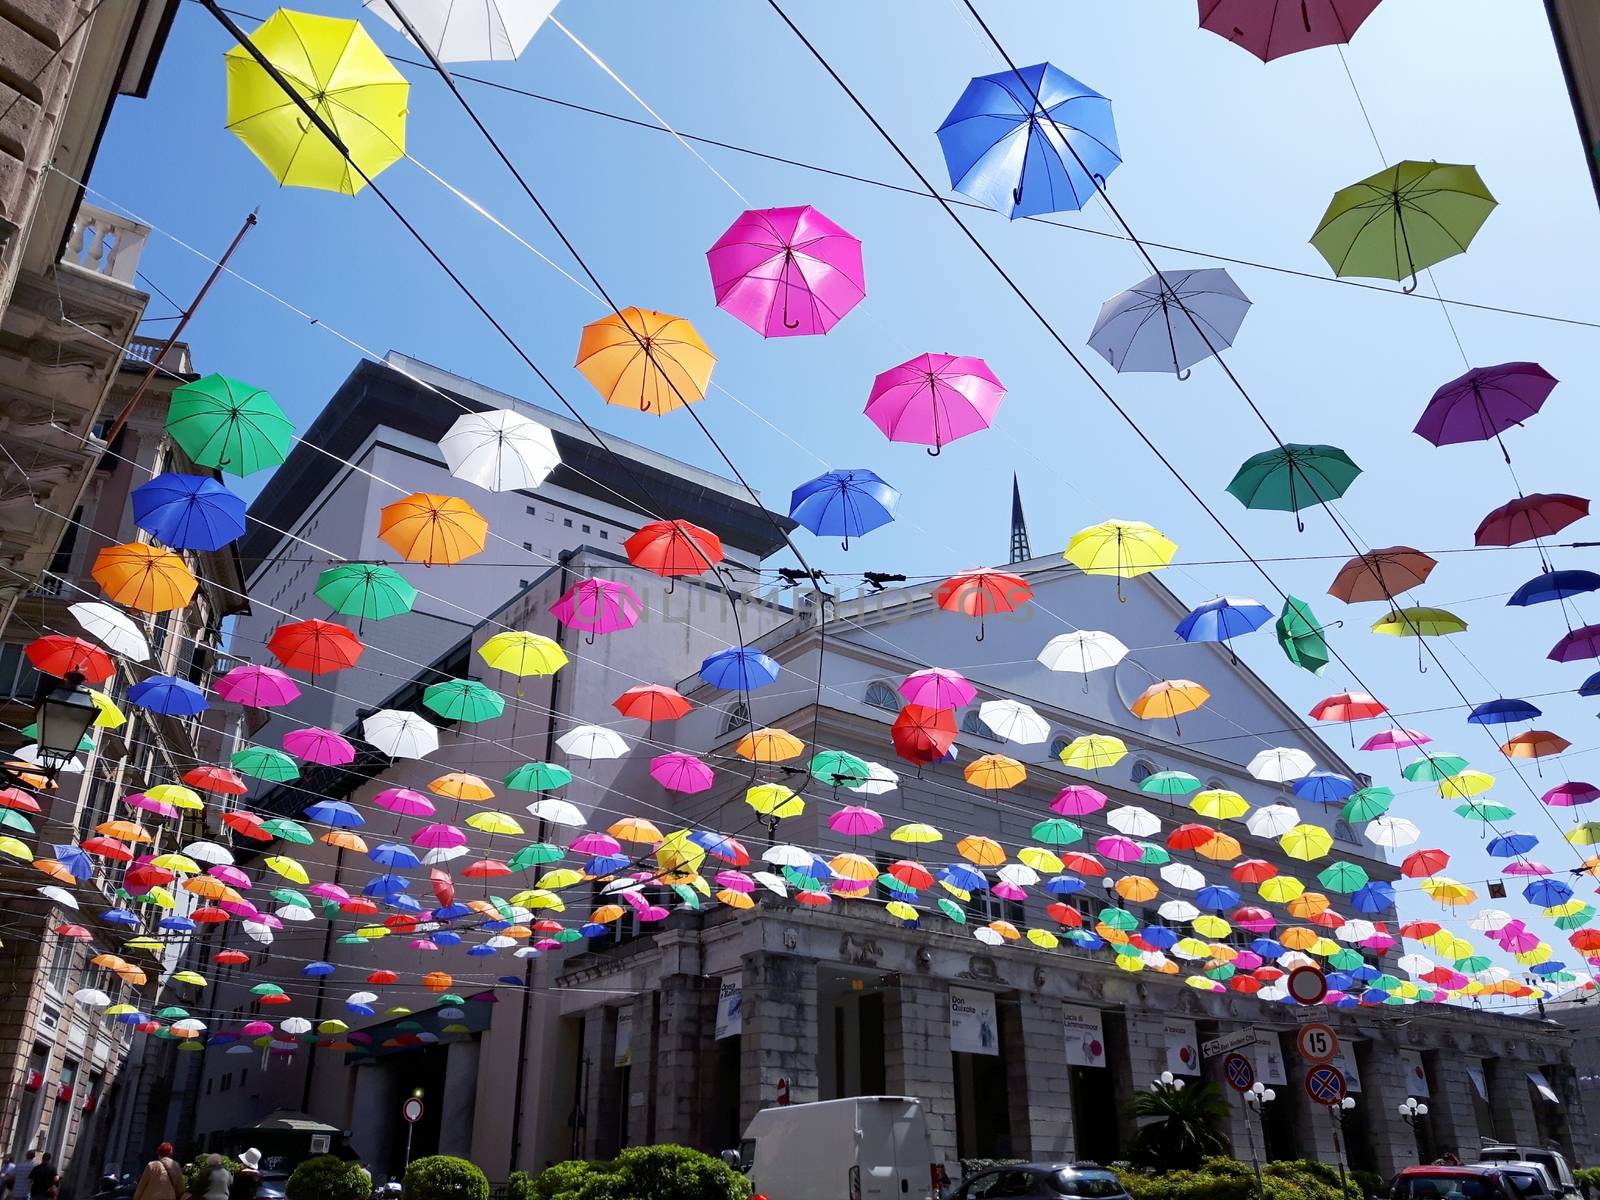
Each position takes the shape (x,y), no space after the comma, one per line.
(76,932)
(922,734)
(18,799)
(216,779)
(444,888)
(231,958)
(1253,870)
(1065,914)
(1083,864)
(652,702)
(315,646)
(146,875)
(669,548)
(1528,517)
(107,847)
(1421,863)
(1348,706)
(383,976)
(1418,930)
(60,655)
(1381,574)
(1190,837)
(981,592)
(246,824)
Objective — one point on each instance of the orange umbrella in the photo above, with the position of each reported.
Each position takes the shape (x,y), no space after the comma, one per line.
(995,773)
(1536,743)
(1222,848)
(126,831)
(1137,889)
(647,360)
(1308,905)
(459,785)
(769,745)
(144,577)
(54,870)
(428,528)
(985,852)
(1381,574)
(1170,699)
(343,839)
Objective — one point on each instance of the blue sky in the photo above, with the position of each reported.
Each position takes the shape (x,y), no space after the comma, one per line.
(1221,154)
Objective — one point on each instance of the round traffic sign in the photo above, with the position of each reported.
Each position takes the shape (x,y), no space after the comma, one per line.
(411,1110)
(1307,985)
(1325,1085)
(1317,1043)
(1239,1072)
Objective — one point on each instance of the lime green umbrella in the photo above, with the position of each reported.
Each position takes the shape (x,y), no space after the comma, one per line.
(1169,783)
(232,426)
(1055,831)
(1293,476)
(568,935)
(266,989)
(1367,803)
(288,830)
(1301,636)
(464,700)
(370,591)
(952,910)
(1342,877)
(1485,811)
(538,777)
(839,768)
(1403,220)
(535,855)
(263,762)
(1431,768)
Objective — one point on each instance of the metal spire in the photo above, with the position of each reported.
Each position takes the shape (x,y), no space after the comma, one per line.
(1019,526)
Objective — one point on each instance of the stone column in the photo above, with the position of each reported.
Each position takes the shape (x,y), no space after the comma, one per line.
(1039,1079)
(642,1075)
(1313,1126)
(779,1038)
(1510,1098)
(1384,1087)
(1452,1114)
(917,1062)
(685,1024)
(607,1103)
(1584,1139)
(460,1097)
(1238,1126)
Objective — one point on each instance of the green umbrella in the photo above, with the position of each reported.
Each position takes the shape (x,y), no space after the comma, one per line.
(1346,959)
(1293,476)
(266,989)
(1222,972)
(535,855)
(265,763)
(1403,220)
(1056,831)
(232,426)
(1300,635)
(11,819)
(350,939)
(1151,854)
(370,591)
(464,700)
(896,886)
(1169,783)
(1119,918)
(289,831)
(690,898)
(1367,803)
(1472,963)
(1575,920)
(1342,877)
(1485,811)
(839,768)
(290,896)
(952,910)
(1431,768)
(538,777)
(173,1014)
(568,935)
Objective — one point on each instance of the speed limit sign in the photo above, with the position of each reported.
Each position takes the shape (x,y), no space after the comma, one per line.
(1317,1043)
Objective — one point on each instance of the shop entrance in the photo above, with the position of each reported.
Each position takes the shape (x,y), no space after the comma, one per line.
(850,1034)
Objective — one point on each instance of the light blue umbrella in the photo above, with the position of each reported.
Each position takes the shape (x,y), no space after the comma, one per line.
(740,669)
(1223,618)
(1170,322)
(845,503)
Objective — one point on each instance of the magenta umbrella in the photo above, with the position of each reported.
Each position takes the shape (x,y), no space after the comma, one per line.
(329,891)
(1578,644)
(1527,867)
(1119,848)
(230,875)
(594,843)
(160,807)
(405,802)
(240,908)
(321,746)
(439,837)
(736,881)
(934,399)
(1484,403)
(787,272)
(598,606)
(855,821)
(1396,739)
(1008,891)
(256,687)
(1270,31)
(938,687)
(1570,795)
(1077,800)
(679,772)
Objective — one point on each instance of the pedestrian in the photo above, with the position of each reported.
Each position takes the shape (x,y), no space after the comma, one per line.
(248,1177)
(42,1179)
(8,1183)
(219,1180)
(162,1178)
(8,1175)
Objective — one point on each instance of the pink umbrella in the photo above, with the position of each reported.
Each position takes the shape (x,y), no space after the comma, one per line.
(1570,795)
(1008,891)
(256,1028)
(1077,800)
(737,881)
(267,919)
(160,807)
(934,399)
(598,606)
(444,837)
(1528,867)
(1379,942)
(1119,849)
(240,908)
(594,843)
(938,687)
(1514,937)
(1396,739)
(1248,960)
(229,875)
(636,901)
(652,912)
(329,891)
(256,687)
(321,746)
(852,887)
(405,802)
(787,272)
(681,773)
(855,821)
(424,944)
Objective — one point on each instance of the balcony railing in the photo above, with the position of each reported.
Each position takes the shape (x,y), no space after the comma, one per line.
(142,352)
(105,243)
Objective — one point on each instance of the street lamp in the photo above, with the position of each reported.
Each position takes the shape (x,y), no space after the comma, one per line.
(1412,1112)
(1338,1112)
(1255,1102)
(1169,1081)
(64,716)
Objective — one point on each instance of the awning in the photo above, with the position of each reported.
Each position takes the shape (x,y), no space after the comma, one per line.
(1542,1086)
(1478,1084)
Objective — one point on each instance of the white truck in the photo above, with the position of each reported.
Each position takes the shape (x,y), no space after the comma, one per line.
(861,1148)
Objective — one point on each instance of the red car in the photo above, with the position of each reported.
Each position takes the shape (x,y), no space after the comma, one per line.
(1454,1183)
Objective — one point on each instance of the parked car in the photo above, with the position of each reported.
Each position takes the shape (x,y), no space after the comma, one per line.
(274,1185)
(1042,1181)
(1532,1179)
(1478,1182)
(864,1147)
(1552,1160)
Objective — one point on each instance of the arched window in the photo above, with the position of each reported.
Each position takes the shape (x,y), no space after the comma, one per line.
(1345,832)
(1142,771)
(882,695)
(738,715)
(1215,785)
(973,724)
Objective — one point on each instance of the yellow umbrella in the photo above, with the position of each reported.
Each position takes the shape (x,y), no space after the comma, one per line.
(1448,892)
(995,773)
(460,785)
(1210,925)
(15,848)
(1419,622)
(916,833)
(1040,859)
(1280,889)
(429,529)
(735,899)
(1191,948)
(1465,784)
(959,893)
(1219,804)
(678,853)
(1323,947)
(147,578)
(1093,751)
(645,360)
(1121,548)
(539,898)
(161,898)
(984,852)
(1532,958)
(560,877)
(282,864)
(1566,909)
(109,716)
(1587,834)
(335,66)
(1306,842)
(900,910)
(1136,889)
(494,823)
(372,933)
(635,829)
(182,864)
(769,746)
(775,800)
(1169,699)
(1044,939)
(1129,962)
(521,653)
(194,979)
(176,795)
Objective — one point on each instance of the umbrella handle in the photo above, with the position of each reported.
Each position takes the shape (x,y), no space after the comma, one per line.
(845,545)
(980,631)
(1184,374)
(934,453)
(589,641)
(788,324)
(1016,194)
(1413,285)
(1099,180)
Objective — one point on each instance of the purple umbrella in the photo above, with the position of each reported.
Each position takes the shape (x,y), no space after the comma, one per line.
(1579,644)
(1484,403)
(405,802)
(681,773)
(256,687)
(1570,795)
(934,399)
(786,272)
(321,746)
(938,687)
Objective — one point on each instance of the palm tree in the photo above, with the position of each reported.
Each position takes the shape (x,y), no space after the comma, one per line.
(1180,1125)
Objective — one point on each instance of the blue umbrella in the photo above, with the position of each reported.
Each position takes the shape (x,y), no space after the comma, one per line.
(480,951)
(740,669)
(1064,885)
(1547,892)
(1035,144)
(1223,618)
(1085,938)
(385,885)
(169,696)
(177,925)
(1327,787)
(447,937)
(607,864)
(1549,968)
(1216,897)
(450,912)
(1344,1001)
(314,970)
(1503,712)
(1337,981)
(1376,896)
(845,503)
(361,1010)
(1362,974)
(592,929)
(1266,947)
(1554,585)
(188,512)
(967,878)
(335,813)
(1509,845)
(394,856)
(70,856)
(1590,686)
(1160,936)
(402,902)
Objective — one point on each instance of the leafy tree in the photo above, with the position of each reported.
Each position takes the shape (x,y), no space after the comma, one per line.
(1179,1126)
(327,1177)
(443,1177)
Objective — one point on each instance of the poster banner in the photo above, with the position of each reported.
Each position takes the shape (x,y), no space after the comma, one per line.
(730,1010)
(1183,1048)
(1345,1060)
(1479,1084)
(1416,1078)
(621,1053)
(1086,1036)
(974,1027)
(1269,1060)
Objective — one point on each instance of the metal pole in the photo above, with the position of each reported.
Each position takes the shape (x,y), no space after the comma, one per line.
(1337,1115)
(411,1127)
(1255,1161)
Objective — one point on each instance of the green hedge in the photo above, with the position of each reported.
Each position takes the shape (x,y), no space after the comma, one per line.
(444,1177)
(1230,1179)
(328,1177)
(1589,1179)
(642,1173)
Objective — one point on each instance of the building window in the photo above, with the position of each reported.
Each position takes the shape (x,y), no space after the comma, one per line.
(972,723)
(530,510)
(1142,771)
(243,1075)
(605,535)
(208,1086)
(1345,832)
(550,516)
(61,961)
(17,676)
(1215,785)
(881,695)
(1059,743)
(567,521)
(991,908)
(738,716)
(586,529)
(227,1081)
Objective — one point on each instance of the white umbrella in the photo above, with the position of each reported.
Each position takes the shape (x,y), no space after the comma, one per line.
(91,998)
(1273,992)
(1018,874)
(1178,910)
(189,1025)
(443,854)
(1488,920)
(1391,831)
(361,997)
(1355,930)
(1183,876)
(1134,821)
(295,1025)
(558,812)
(617,886)
(526,952)
(987,936)
(112,628)
(880,779)
(60,895)
(209,852)
(400,734)
(1084,651)
(294,912)
(1416,964)
(259,932)
(1291,959)
(469,30)
(30,755)
(500,450)
(1274,820)
(773,883)
(1281,765)
(1014,721)
(787,856)
(592,742)
(501,942)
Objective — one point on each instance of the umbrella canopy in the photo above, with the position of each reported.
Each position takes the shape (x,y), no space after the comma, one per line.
(484,31)
(1014,721)
(1083,651)
(499,450)
(787,272)
(845,503)
(369,591)
(981,592)
(315,646)
(338,69)
(922,734)
(263,762)
(1577,644)
(144,577)
(169,696)
(1223,618)
(1281,764)
(429,528)
(61,655)
(463,700)
(933,399)
(1293,476)
(672,548)
(1484,403)
(645,360)
(769,746)
(1170,321)
(518,652)
(739,669)
(652,702)
(321,746)
(112,628)
(1419,621)
(937,687)
(1554,585)
(256,687)
(1275,30)
(228,425)
(1381,574)
(592,742)
(678,772)
(1301,636)
(1169,699)
(1029,141)
(188,512)
(1536,515)
(1403,220)
(598,606)
(1091,751)
(1503,711)
(1122,549)
(400,734)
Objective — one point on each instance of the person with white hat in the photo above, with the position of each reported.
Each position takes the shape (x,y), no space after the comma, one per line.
(248,1177)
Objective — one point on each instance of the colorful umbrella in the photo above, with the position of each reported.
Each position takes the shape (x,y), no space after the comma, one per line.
(1029,141)
(1554,585)
(1403,220)
(1223,618)
(598,606)
(1419,622)
(787,272)
(169,696)
(1082,651)
(844,503)
(500,450)
(1078,800)
(228,425)
(1537,515)
(645,360)
(1091,751)
(315,646)
(937,687)
(62,655)
(463,700)
(1280,764)
(769,746)
(263,762)
(1292,477)
(1300,635)
(922,734)
(1273,31)
(995,773)
(739,669)
(429,529)
(678,772)
(323,747)
(368,591)
(1570,795)
(672,548)
(591,742)
(1484,403)
(1123,549)
(188,512)
(981,592)
(1381,574)
(1170,321)
(337,68)
(1014,721)
(491,30)
(1577,644)
(144,577)
(1169,699)
(652,702)
(934,399)
(256,687)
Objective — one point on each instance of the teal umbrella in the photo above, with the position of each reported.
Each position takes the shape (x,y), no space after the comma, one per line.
(1368,803)
(1342,877)
(1431,768)
(538,777)
(288,831)
(1292,477)
(368,591)
(1169,783)
(232,426)
(535,855)
(464,700)
(1301,636)
(840,769)
(1056,831)
(265,763)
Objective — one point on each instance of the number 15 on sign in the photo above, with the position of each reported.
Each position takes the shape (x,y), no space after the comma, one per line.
(1317,1043)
